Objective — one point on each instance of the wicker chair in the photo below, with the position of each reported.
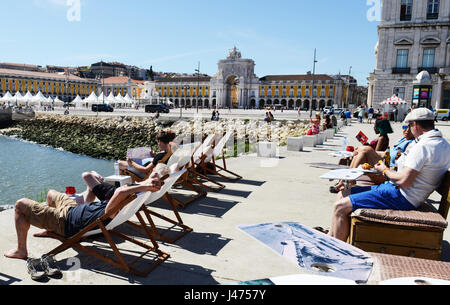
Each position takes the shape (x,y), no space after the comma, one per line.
(406,233)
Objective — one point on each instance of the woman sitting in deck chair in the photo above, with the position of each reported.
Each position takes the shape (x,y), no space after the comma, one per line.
(141,172)
(65,217)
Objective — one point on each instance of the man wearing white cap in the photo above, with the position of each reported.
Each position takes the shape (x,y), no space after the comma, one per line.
(421,171)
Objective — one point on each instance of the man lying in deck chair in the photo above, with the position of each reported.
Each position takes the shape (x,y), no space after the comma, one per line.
(65,217)
(419,174)
(141,172)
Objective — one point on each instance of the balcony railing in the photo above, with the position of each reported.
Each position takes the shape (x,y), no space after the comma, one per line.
(401,70)
(429,70)
(431,16)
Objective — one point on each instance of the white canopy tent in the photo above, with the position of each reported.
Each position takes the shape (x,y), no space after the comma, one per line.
(18,99)
(78,102)
(92,99)
(120,100)
(7,98)
(38,99)
(58,102)
(28,97)
(101,98)
(395,102)
(110,100)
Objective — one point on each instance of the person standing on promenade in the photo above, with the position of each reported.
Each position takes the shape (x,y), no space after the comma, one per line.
(420,173)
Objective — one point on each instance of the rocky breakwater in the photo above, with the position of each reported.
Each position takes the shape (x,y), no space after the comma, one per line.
(103,138)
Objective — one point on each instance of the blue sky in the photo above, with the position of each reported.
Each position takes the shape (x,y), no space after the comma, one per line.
(173,36)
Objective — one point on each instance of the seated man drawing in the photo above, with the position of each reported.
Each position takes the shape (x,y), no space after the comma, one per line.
(65,217)
(420,172)
(367,155)
(142,171)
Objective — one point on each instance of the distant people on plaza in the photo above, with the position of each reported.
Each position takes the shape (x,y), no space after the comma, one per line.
(316,125)
(157,115)
(419,173)
(334,120)
(328,124)
(370,113)
(299,112)
(215,115)
(395,113)
(348,114)
(272,118)
(361,114)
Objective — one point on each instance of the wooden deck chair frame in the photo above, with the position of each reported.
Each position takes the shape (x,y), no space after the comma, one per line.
(136,178)
(177,223)
(209,164)
(402,240)
(196,164)
(98,227)
(182,159)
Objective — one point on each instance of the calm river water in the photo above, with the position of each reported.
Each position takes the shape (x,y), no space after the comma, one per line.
(29,170)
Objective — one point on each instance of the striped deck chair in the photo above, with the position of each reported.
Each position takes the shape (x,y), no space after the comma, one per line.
(127,209)
(197,160)
(176,223)
(209,164)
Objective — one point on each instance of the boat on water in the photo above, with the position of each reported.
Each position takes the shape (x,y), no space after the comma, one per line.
(23,114)
(5,116)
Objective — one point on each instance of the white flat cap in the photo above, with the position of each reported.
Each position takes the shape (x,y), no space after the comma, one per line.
(420,114)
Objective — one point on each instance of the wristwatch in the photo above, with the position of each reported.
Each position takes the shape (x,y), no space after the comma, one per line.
(384,173)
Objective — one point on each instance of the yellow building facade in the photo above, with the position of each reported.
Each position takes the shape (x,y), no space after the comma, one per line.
(66,87)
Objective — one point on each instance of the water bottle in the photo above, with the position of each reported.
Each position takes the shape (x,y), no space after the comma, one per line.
(344,144)
(116,168)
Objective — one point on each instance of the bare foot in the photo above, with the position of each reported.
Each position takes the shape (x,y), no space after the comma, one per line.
(42,234)
(17,254)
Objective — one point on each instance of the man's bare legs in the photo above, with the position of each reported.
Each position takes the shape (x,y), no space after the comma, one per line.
(91,179)
(22,228)
(340,222)
(51,198)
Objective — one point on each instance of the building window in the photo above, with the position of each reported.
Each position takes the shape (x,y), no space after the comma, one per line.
(428,58)
(400,92)
(402,58)
(433,9)
(406,10)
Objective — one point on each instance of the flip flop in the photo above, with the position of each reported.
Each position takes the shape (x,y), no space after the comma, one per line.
(36,269)
(50,266)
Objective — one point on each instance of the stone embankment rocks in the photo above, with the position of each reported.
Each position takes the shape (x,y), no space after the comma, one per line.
(104,138)
(110,138)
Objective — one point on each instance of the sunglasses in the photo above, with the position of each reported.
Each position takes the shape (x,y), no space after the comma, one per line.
(405,127)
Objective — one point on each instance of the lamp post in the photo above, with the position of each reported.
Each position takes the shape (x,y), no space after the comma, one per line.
(348,88)
(184,95)
(198,82)
(314,72)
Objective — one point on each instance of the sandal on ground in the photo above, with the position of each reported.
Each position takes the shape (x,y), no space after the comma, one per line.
(322,230)
(50,266)
(36,269)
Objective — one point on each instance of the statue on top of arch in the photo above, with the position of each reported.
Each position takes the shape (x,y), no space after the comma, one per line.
(234,54)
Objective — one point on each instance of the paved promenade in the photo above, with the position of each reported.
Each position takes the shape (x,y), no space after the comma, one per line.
(217,252)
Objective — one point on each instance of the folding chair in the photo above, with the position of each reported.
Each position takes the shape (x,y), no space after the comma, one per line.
(196,164)
(127,209)
(182,160)
(169,182)
(209,161)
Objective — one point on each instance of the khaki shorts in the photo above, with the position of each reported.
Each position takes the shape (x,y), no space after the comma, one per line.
(48,218)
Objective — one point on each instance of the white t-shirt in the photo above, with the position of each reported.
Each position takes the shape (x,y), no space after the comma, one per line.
(430,156)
